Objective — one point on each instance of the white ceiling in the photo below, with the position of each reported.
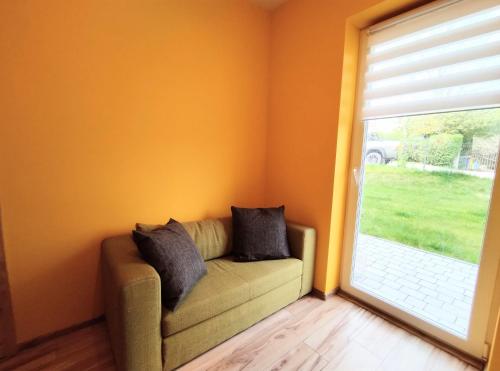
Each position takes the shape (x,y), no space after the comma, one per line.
(269,4)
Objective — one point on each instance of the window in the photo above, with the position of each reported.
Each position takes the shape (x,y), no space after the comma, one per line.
(424,158)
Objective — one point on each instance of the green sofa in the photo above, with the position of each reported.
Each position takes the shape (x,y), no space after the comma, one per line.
(230,298)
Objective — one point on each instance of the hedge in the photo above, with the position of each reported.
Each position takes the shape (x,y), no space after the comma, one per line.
(438,150)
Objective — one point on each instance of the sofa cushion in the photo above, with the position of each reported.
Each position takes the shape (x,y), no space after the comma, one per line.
(259,234)
(172,252)
(263,276)
(212,236)
(227,285)
(218,291)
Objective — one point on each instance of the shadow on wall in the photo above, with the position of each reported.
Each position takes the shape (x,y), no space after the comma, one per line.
(71,272)
(7,333)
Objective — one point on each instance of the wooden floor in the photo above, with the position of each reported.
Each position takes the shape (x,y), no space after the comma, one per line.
(310,334)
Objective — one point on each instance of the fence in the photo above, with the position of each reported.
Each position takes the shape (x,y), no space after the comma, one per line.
(478,161)
(477,158)
(448,151)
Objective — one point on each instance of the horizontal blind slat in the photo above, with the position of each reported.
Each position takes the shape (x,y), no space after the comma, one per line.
(438,58)
(459,57)
(490,26)
(441,15)
(441,105)
(445,58)
(435,81)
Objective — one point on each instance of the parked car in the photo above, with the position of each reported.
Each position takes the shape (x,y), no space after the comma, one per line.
(379,151)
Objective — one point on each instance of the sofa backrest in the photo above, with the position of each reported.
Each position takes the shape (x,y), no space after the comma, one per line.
(211,236)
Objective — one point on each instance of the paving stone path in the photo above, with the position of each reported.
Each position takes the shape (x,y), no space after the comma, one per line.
(434,287)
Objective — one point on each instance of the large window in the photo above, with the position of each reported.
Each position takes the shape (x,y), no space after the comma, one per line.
(425,149)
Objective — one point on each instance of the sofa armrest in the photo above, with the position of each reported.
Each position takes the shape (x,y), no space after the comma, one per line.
(132,301)
(302,241)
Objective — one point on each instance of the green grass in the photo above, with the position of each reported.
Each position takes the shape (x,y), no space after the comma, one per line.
(440,212)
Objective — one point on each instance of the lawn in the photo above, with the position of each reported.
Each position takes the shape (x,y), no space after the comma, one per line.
(439,212)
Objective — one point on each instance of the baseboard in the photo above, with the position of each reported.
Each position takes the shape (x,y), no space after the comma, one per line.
(475,362)
(40,339)
(324,295)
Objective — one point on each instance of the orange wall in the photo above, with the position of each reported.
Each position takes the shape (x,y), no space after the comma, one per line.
(113,112)
(313,77)
(307,51)
(494,363)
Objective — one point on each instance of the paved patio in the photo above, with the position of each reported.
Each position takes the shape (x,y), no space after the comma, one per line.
(433,287)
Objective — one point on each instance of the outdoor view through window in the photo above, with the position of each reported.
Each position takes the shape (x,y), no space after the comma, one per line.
(425,195)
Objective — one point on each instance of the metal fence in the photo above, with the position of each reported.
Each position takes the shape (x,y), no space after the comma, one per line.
(478,161)
(478,158)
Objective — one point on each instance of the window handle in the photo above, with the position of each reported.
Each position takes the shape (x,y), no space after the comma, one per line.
(355,172)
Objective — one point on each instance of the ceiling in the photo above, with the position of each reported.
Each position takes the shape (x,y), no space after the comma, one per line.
(269,4)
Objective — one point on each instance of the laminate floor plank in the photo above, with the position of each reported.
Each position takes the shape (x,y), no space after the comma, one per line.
(308,335)
(412,354)
(266,352)
(439,360)
(337,333)
(302,307)
(228,355)
(303,358)
(380,337)
(353,357)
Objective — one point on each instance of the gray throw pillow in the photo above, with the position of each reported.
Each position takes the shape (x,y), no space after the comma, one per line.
(172,252)
(259,234)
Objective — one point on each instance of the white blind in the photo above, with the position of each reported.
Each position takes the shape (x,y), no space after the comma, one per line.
(439,58)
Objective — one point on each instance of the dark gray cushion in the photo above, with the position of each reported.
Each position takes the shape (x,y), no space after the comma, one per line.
(259,234)
(172,252)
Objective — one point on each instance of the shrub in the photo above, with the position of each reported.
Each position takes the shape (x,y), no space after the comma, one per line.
(413,149)
(444,149)
(438,150)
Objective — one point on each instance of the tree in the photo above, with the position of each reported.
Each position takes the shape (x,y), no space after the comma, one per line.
(480,123)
